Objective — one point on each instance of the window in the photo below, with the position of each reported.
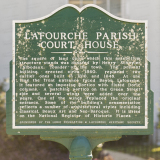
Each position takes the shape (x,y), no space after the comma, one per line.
(113,6)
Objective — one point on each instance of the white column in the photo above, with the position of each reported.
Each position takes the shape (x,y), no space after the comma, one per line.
(94,1)
(66,1)
(81,3)
(108,5)
(125,8)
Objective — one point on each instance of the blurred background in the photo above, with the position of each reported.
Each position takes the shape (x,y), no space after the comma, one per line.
(31,147)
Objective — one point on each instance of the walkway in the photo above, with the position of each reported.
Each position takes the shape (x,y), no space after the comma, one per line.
(123,156)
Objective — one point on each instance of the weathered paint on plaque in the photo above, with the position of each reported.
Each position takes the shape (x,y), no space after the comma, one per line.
(82,71)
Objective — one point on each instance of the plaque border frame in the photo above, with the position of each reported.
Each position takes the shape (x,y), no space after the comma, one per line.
(69,126)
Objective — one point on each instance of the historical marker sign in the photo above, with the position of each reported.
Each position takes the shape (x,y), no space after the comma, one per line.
(80,69)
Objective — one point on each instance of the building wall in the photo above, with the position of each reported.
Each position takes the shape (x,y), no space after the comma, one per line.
(148,10)
(19,10)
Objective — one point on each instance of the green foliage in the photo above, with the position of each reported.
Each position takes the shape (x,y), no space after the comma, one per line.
(26,147)
(96,151)
(2,102)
